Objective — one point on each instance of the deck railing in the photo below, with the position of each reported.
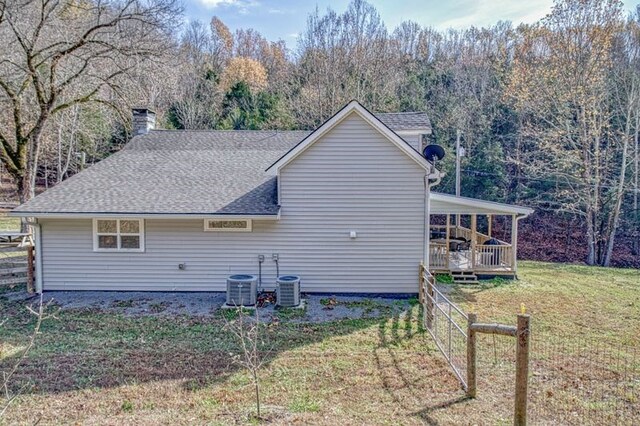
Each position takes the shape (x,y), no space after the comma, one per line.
(485,257)
(493,257)
(438,256)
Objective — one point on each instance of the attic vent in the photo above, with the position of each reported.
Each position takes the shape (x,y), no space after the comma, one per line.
(227,225)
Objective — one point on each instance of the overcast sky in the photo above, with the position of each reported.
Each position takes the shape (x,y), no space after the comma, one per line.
(284,19)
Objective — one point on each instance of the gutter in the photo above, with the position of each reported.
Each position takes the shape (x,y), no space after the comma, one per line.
(437,176)
(90,215)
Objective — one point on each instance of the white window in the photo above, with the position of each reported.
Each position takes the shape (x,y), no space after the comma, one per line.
(243,225)
(118,235)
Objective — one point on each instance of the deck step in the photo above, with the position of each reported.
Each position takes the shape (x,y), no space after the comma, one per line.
(464,277)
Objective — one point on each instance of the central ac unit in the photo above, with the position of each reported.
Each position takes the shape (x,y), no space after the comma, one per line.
(242,290)
(288,291)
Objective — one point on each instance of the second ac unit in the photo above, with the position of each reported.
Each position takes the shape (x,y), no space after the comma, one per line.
(288,291)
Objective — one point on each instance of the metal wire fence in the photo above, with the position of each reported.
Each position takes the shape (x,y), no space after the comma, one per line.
(583,381)
(572,381)
(447,324)
(448,330)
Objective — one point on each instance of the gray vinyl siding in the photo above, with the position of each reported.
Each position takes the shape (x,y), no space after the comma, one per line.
(353,179)
(414,140)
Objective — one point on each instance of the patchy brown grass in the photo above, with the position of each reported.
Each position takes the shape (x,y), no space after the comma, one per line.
(91,367)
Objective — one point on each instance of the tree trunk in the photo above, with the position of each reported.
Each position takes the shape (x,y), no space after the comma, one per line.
(26,181)
(591,238)
(257,389)
(636,214)
(613,224)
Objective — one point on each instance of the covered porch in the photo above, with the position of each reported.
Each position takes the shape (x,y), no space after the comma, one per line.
(462,241)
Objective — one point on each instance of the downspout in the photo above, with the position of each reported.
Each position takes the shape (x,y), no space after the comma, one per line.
(37,236)
(427,212)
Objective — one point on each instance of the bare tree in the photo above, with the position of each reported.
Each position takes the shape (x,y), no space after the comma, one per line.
(57,54)
(248,333)
(561,85)
(343,57)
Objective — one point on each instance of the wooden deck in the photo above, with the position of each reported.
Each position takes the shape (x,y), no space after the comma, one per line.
(480,258)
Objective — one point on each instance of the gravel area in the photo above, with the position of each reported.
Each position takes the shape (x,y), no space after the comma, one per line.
(317,307)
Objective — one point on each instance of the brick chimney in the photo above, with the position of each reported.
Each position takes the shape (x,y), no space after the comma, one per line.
(143,120)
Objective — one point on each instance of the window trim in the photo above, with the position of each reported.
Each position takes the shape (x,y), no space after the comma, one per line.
(140,234)
(249,227)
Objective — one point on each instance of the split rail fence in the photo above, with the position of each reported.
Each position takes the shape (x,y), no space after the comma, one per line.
(17,266)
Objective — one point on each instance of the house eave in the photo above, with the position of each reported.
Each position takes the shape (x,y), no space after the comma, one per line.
(413,132)
(143,215)
(485,206)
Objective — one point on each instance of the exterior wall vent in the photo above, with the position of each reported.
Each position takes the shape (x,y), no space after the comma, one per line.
(288,290)
(226,225)
(242,290)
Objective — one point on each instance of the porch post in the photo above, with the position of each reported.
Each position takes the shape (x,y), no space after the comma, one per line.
(514,242)
(474,237)
(489,220)
(446,249)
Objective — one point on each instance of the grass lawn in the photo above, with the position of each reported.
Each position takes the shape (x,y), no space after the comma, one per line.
(9,223)
(564,300)
(95,368)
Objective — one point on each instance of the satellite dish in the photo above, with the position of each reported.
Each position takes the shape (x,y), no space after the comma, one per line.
(433,153)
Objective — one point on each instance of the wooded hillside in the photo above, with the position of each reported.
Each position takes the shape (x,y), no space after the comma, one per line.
(549,113)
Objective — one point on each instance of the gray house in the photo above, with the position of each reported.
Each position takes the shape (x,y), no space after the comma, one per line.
(345,207)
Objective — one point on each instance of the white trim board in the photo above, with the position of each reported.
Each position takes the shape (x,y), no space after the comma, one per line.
(140,235)
(493,207)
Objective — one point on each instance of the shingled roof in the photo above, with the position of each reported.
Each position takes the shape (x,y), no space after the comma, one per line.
(182,172)
(403,121)
(177,172)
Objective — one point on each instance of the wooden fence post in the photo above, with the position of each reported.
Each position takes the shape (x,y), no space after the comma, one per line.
(30,270)
(471,356)
(522,370)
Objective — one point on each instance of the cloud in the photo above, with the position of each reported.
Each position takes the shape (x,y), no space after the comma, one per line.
(275,11)
(242,6)
(215,3)
(485,12)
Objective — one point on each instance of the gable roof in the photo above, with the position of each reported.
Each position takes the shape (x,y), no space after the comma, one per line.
(176,173)
(353,107)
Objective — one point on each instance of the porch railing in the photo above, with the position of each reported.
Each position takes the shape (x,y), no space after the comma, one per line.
(493,257)
(438,256)
(483,258)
